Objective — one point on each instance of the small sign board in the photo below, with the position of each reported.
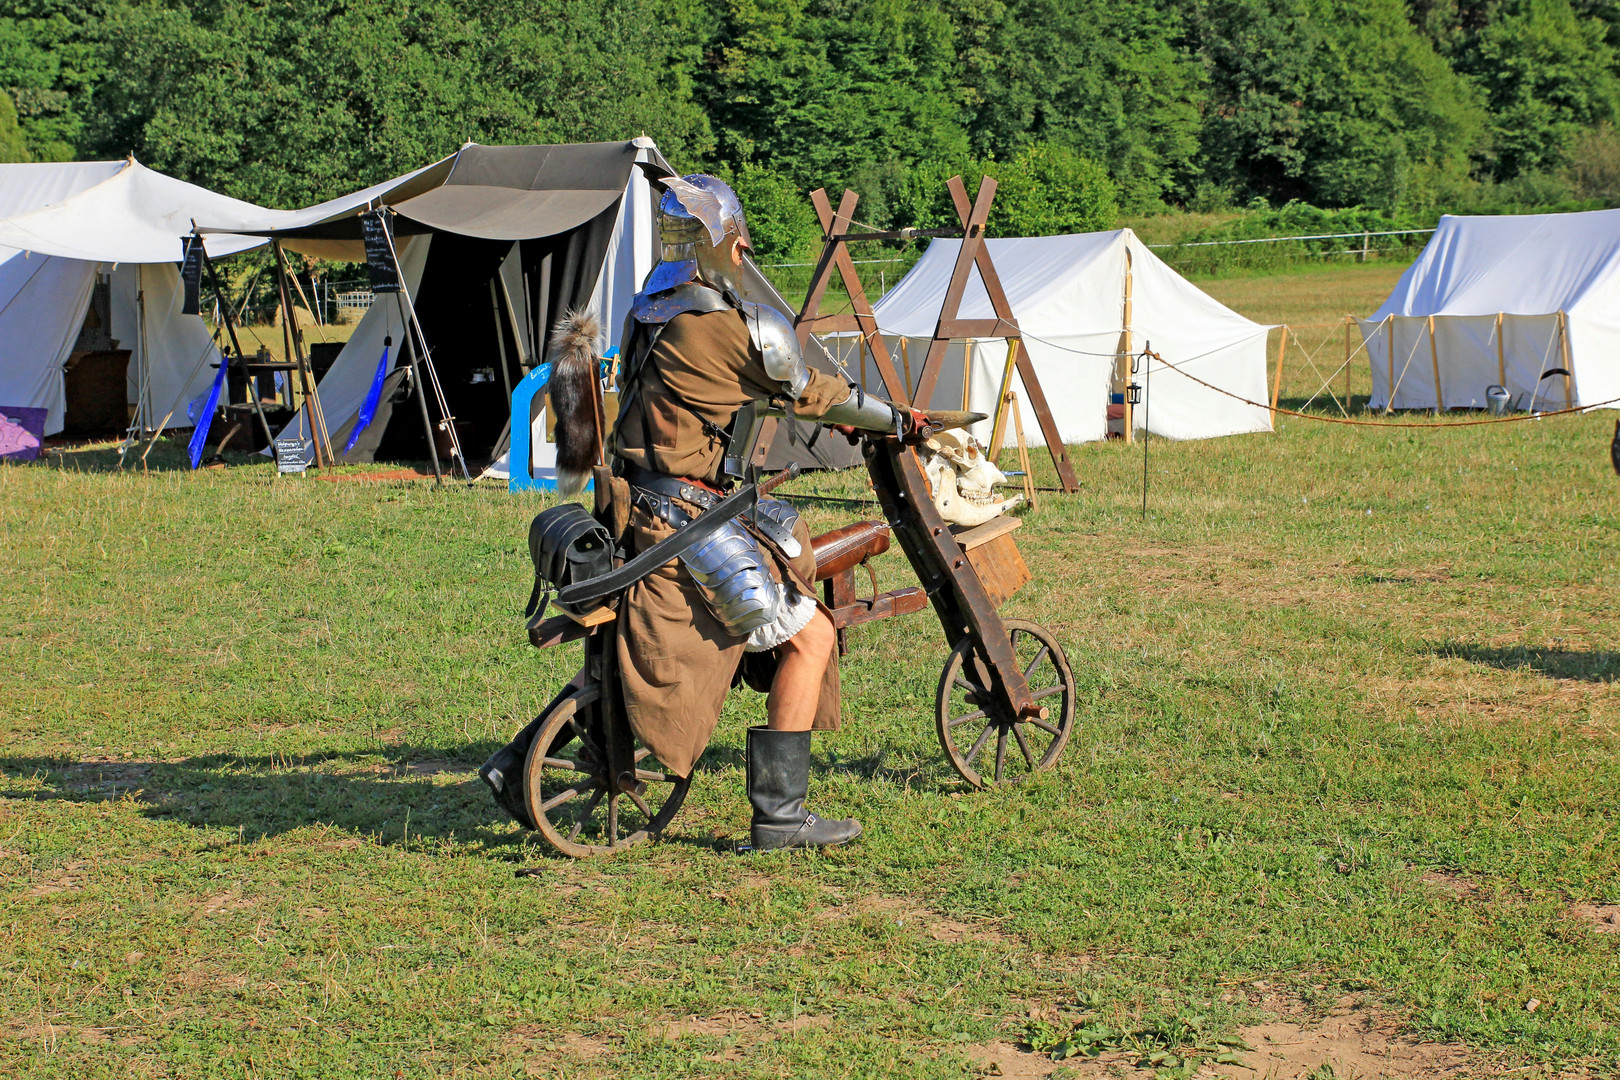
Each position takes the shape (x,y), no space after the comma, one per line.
(191,250)
(294,455)
(377,233)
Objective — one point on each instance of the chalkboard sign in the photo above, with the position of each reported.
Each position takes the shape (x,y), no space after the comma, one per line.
(191,250)
(294,455)
(376,231)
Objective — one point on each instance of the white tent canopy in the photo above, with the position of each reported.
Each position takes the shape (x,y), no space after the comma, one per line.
(1068,294)
(63,224)
(1505,301)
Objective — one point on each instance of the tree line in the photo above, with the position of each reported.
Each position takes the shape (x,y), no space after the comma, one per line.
(1083,109)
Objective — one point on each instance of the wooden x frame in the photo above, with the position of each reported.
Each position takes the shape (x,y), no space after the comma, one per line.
(973,253)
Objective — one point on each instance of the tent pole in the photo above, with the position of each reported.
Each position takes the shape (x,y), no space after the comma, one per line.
(1563,343)
(511,317)
(1347,324)
(421,390)
(426,356)
(1434,359)
(506,376)
(998,430)
(1389,402)
(236,350)
(1501,359)
(1276,381)
(295,353)
(1123,364)
(905,360)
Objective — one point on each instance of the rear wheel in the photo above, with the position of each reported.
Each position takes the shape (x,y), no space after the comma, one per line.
(575,804)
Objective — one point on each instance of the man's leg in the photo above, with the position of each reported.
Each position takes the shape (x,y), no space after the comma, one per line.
(779,755)
(801,663)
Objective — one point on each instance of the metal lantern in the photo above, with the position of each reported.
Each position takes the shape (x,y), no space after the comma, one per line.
(1133,393)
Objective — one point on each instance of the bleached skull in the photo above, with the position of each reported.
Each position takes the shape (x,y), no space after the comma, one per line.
(962,480)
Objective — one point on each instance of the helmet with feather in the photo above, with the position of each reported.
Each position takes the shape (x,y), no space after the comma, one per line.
(702,233)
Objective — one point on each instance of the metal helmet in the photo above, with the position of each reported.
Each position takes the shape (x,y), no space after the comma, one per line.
(698,217)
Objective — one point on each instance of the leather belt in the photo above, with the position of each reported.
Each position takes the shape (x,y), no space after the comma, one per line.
(655,493)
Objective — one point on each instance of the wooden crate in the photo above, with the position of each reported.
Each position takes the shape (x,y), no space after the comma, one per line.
(994,555)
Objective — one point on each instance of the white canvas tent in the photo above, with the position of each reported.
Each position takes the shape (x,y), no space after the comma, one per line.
(62,226)
(1513,301)
(1069,295)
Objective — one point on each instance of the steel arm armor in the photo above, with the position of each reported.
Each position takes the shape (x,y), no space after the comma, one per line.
(862,410)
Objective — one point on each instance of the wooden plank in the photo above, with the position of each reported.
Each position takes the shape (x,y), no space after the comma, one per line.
(978,535)
(885,605)
(558,630)
(978,328)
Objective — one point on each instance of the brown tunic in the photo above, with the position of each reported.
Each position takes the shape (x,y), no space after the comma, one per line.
(676,660)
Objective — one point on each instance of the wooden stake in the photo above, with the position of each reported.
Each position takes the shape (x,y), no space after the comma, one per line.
(1276,382)
(1563,339)
(1023,449)
(1434,359)
(1501,359)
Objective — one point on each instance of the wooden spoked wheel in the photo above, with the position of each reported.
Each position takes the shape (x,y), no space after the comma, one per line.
(575,804)
(985,741)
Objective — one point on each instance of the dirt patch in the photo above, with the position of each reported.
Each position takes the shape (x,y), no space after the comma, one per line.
(1455,884)
(434,768)
(209,906)
(1354,1045)
(394,474)
(905,912)
(69,877)
(1604,918)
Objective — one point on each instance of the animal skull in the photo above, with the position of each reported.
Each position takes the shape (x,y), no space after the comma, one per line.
(961,479)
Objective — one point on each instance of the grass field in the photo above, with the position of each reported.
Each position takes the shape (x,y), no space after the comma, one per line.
(1341,790)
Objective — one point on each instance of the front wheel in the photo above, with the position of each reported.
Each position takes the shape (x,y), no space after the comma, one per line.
(575,805)
(978,729)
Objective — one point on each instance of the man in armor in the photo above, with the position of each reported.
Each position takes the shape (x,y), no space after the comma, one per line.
(704,367)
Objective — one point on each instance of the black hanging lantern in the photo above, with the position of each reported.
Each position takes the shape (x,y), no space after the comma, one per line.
(1133,393)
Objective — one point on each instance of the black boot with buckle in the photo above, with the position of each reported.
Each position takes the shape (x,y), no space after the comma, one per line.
(778,779)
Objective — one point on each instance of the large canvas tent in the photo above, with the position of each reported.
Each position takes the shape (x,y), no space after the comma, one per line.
(495,244)
(66,229)
(1529,302)
(1080,300)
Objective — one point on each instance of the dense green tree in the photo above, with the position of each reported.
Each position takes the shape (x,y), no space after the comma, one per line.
(1331,101)
(285,104)
(828,92)
(12,145)
(1547,75)
(1105,78)
(50,64)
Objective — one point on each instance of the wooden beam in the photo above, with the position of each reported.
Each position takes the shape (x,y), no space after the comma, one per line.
(1563,336)
(1501,357)
(1276,380)
(836,255)
(1026,367)
(972,240)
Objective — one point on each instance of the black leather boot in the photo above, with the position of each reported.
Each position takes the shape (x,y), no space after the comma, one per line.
(778,778)
(503,772)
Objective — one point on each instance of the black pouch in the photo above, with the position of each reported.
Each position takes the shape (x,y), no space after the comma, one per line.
(568,546)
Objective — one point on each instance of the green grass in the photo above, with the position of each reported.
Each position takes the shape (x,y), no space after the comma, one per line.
(1347,728)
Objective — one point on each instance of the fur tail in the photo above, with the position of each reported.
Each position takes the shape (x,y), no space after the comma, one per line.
(576,395)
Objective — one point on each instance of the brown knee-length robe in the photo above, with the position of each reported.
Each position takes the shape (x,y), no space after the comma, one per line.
(676,660)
